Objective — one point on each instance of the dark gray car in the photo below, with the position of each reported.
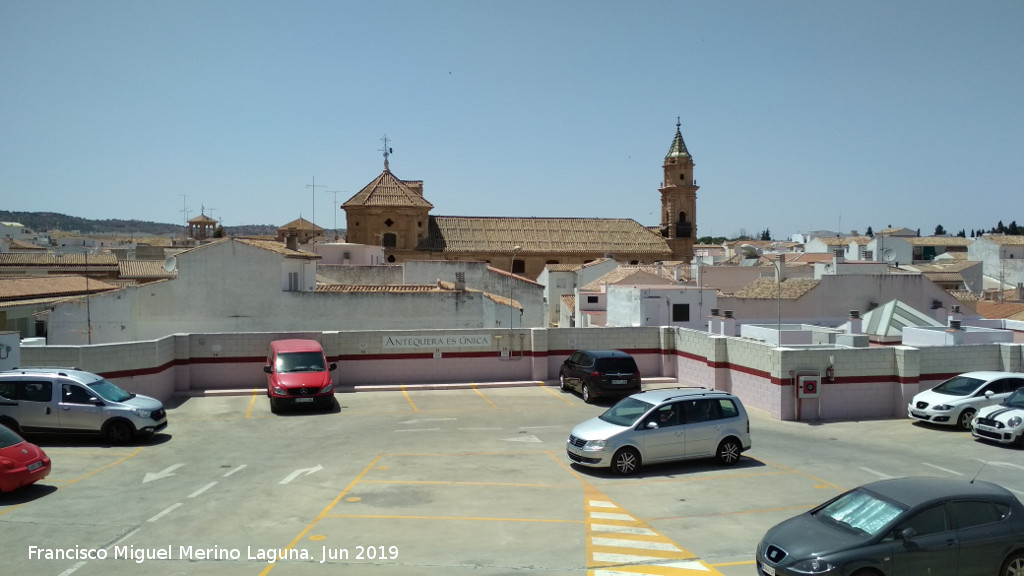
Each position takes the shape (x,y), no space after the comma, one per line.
(600,374)
(933,526)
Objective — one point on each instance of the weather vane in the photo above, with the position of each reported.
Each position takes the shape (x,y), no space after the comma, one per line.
(386,150)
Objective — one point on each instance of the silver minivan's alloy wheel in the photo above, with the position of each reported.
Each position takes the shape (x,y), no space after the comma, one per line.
(626,461)
(729,451)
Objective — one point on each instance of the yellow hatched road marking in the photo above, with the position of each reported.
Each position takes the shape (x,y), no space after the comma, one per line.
(619,544)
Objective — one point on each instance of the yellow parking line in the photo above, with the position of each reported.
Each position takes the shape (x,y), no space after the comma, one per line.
(484,397)
(252,402)
(454,483)
(558,394)
(411,403)
(323,513)
(457,518)
(67,483)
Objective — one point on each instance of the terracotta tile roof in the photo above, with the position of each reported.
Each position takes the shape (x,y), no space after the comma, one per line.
(387,190)
(569,301)
(277,247)
(637,275)
(13,244)
(946,265)
(1005,240)
(792,288)
(143,269)
(25,287)
(905,232)
(51,260)
(844,241)
(301,224)
(939,241)
(541,235)
(989,309)
(383,288)
(811,258)
(202,219)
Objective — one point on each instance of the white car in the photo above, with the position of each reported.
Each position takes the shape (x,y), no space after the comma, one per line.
(957,400)
(1003,423)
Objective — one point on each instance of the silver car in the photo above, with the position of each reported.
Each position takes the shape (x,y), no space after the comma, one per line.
(663,426)
(65,400)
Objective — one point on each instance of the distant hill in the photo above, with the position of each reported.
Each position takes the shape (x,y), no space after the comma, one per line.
(49,221)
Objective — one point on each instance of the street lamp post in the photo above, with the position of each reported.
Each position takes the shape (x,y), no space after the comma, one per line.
(511,284)
(750,251)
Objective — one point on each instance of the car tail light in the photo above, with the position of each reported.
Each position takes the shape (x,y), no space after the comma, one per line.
(595,374)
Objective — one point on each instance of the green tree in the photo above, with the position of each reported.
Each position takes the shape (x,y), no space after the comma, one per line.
(939,230)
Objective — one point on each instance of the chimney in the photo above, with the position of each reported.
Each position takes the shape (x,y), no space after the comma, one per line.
(728,324)
(837,256)
(856,325)
(780,273)
(1020,291)
(291,239)
(714,322)
(460,281)
(954,315)
(955,334)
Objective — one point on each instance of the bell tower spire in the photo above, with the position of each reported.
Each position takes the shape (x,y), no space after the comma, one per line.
(679,199)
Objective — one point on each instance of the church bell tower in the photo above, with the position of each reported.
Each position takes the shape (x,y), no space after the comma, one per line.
(679,200)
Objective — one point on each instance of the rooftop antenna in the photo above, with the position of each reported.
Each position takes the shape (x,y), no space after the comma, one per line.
(387,152)
(314,186)
(335,192)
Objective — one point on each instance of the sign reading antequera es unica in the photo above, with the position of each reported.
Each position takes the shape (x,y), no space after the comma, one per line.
(436,342)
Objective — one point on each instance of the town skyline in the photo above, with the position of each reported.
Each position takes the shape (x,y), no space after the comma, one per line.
(799,116)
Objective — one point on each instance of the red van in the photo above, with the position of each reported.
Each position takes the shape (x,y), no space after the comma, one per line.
(298,375)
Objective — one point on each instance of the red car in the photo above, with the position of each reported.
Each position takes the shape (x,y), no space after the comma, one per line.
(21,463)
(298,375)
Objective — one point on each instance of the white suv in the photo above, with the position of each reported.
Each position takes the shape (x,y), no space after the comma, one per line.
(66,400)
(663,426)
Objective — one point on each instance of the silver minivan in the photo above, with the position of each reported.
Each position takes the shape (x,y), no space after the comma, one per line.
(70,401)
(663,426)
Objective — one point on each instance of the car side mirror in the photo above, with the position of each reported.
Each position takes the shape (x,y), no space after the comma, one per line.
(907,534)
(268,369)
(989,394)
(652,425)
(96,401)
(332,367)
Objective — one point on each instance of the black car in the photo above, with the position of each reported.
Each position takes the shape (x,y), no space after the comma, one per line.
(934,526)
(600,373)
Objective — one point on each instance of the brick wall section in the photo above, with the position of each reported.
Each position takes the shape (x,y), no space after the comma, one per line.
(875,382)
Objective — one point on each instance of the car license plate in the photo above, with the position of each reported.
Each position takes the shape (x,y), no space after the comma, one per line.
(767,569)
(620,382)
(35,466)
(303,399)
(918,414)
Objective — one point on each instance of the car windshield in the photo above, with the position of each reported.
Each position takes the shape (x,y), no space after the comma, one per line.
(300,362)
(109,391)
(626,412)
(860,511)
(959,386)
(1015,400)
(619,365)
(8,437)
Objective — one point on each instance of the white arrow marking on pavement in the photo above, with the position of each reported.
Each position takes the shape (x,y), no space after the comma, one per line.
(301,472)
(417,420)
(530,438)
(169,471)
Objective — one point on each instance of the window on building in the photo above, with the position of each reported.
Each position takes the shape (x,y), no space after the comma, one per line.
(389,240)
(293,281)
(591,299)
(680,312)
(518,266)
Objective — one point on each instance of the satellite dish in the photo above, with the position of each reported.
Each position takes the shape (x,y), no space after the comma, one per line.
(889,254)
(170,264)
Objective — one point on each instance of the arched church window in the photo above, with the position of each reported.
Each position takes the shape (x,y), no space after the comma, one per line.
(518,266)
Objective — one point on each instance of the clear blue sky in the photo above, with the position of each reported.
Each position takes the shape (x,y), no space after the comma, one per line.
(799,115)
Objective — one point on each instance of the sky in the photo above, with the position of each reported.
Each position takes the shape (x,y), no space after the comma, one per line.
(800,116)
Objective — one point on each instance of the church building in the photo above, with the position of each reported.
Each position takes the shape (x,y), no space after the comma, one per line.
(394,213)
